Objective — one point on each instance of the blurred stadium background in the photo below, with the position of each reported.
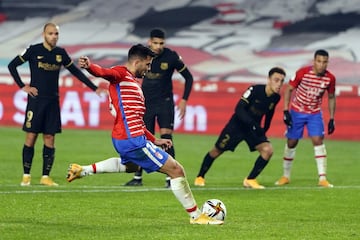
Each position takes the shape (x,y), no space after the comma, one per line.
(226,44)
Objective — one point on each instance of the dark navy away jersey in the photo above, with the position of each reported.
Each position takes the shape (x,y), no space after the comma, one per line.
(157,84)
(45,67)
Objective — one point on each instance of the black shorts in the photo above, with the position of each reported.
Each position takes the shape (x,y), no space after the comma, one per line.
(232,134)
(42,116)
(162,112)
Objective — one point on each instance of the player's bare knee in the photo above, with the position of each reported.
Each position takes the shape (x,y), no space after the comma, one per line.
(179,169)
(215,152)
(267,151)
(176,171)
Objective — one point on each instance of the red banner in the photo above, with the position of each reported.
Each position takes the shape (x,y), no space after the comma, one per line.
(209,108)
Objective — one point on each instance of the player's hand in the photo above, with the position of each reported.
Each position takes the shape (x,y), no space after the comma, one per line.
(287,118)
(182,108)
(84,62)
(164,143)
(32,91)
(102,92)
(331,126)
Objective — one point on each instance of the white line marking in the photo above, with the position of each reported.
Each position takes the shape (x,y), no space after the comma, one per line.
(96,189)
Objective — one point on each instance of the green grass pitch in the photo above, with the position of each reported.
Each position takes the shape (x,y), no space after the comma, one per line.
(99,207)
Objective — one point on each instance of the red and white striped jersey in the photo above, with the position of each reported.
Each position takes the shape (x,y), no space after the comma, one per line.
(127,100)
(310,89)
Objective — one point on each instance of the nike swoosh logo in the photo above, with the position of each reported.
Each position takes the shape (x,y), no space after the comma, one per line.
(40,57)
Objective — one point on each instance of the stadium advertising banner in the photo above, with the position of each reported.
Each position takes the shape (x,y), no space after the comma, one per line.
(209,108)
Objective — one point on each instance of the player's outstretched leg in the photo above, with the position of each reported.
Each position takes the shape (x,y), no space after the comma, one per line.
(74,172)
(110,165)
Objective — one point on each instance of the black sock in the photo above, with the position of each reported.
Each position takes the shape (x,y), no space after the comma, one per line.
(27,156)
(170,150)
(48,159)
(259,165)
(138,174)
(206,164)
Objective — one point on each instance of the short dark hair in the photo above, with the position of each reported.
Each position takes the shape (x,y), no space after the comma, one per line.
(321,52)
(157,33)
(140,51)
(277,70)
(48,25)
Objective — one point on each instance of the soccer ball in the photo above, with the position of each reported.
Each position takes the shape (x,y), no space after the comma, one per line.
(214,208)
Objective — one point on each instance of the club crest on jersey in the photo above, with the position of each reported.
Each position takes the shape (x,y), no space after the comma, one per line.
(58,58)
(158,155)
(164,65)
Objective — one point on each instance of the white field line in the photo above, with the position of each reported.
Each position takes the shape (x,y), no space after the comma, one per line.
(102,189)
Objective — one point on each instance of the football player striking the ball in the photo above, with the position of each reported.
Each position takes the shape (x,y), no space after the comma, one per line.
(310,83)
(134,143)
(245,125)
(157,86)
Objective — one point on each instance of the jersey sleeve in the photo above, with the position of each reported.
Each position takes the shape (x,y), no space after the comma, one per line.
(295,81)
(17,61)
(178,62)
(109,74)
(240,109)
(269,116)
(184,71)
(149,136)
(66,60)
(188,83)
(332,84)
(26,54)
(81,76)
